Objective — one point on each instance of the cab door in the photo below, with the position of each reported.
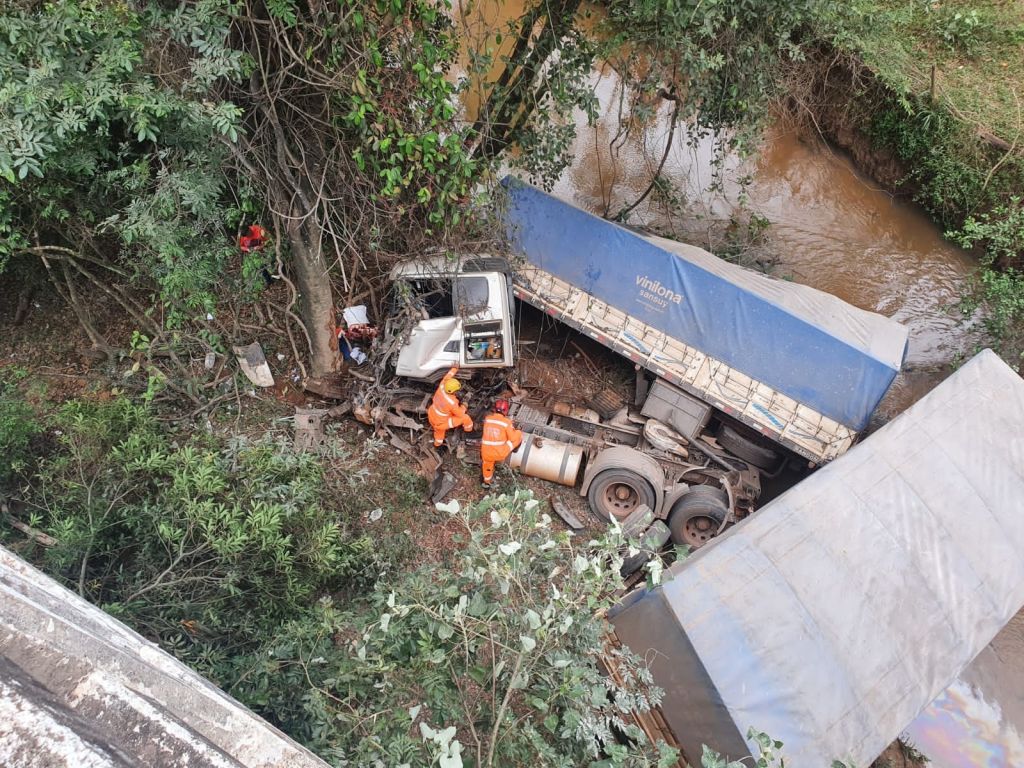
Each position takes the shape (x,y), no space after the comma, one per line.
(481,300)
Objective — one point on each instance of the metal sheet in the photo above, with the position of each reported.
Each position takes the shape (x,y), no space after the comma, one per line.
(835,614)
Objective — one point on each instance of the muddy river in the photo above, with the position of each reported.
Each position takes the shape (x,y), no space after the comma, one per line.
(834,229)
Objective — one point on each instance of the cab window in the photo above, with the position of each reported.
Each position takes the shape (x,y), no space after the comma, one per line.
(472,296)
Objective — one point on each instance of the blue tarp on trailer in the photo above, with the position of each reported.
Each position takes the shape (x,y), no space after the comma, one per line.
(809,345)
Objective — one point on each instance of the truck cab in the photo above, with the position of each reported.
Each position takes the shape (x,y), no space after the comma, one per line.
(462,310)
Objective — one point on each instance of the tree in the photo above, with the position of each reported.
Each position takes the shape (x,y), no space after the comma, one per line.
(139,137)
(350,138)
(495,662)
(96,153)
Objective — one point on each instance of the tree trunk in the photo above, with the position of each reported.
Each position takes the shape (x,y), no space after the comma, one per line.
(316,297)
(516,95)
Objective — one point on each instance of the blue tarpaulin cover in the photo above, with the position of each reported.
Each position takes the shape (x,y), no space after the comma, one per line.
(831,617)
(807,344)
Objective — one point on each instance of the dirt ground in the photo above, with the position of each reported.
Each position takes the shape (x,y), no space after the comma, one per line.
(47,354)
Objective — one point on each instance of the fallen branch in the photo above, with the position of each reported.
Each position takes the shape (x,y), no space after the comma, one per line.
(44,539)
(39,537)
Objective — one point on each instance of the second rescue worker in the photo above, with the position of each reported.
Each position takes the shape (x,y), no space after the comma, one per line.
(500,438)
(446,412)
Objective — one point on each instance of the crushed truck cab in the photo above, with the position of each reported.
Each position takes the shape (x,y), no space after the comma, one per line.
(464,310)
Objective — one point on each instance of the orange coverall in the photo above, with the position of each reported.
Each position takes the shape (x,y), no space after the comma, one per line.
(446,412)
(499,440)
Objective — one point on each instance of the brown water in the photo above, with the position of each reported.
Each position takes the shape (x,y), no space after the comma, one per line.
(830,227)
(833,229)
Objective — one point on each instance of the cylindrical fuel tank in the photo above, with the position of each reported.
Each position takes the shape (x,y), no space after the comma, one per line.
(551,460)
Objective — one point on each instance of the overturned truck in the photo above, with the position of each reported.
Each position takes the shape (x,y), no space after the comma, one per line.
(738,373)
(831,618)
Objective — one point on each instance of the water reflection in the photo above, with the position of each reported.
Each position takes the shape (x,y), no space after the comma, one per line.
(962,729)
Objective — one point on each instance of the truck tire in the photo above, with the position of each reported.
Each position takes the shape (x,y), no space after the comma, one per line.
(617,493)
(698,515)
(746,449)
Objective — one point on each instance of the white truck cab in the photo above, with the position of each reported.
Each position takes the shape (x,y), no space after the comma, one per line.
(465,310)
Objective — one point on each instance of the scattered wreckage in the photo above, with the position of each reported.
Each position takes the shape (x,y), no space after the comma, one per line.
(737,373)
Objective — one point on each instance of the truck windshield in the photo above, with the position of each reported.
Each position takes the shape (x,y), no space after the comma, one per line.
(472,295)
(433,298)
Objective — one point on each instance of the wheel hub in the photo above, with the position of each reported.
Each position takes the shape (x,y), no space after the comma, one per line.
(699,529)
(621,499)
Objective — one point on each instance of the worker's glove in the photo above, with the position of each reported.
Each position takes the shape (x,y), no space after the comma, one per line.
(467,427)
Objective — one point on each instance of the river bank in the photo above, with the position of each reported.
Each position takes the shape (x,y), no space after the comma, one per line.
(924,99)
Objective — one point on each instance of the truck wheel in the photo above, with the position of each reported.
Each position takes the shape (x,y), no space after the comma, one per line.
(698,515)
(617,493)
(746,449)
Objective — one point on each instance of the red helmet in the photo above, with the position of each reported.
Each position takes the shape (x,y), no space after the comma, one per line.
(501,406)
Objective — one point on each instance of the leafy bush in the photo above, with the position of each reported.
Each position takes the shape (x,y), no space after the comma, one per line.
(1001,232)
(495,663)
(961,30)
(205,545)
(943,157)
(17,426)
(999,284)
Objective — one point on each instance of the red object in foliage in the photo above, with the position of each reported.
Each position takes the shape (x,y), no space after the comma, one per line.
(254,240)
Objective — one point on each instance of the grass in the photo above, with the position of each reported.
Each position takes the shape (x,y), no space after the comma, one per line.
(976,46)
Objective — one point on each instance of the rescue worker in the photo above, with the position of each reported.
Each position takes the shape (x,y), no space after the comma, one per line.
(500,438)
(254,239)
(446,412)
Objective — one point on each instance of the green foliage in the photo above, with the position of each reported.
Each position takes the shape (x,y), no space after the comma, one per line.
(546,61)
(1001,232)
(204,545)
(961,30)
(97,142)
(998,288)
(401,107)
(721,58)
(940,152)
(491,663)
(17,427)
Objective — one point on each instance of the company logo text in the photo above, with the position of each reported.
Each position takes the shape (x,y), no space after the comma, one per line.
(656,293)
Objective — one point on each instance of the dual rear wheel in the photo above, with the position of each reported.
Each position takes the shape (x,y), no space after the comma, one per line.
(695,518)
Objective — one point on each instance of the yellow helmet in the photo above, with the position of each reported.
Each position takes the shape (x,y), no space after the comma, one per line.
(452,386)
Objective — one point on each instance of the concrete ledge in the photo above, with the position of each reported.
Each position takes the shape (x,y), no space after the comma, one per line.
(79,688)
